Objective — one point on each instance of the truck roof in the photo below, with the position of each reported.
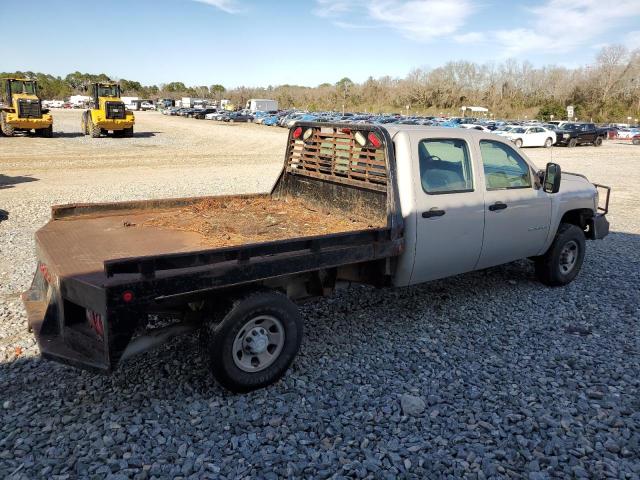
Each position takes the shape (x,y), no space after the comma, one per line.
(439,131)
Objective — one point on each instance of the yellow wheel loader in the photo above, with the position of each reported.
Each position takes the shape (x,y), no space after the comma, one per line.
(21,109)
(107,113)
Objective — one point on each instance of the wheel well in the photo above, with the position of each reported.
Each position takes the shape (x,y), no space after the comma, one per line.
(580,217)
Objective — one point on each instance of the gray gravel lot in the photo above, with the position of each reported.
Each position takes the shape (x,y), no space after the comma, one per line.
(484,375)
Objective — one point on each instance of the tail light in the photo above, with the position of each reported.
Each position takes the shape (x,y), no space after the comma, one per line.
(297,132)
(375,140)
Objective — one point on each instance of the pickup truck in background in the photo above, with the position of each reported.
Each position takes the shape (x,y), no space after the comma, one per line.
(389,206)
(573,134)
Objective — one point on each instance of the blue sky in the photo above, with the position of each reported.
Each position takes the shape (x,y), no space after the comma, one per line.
(272,42)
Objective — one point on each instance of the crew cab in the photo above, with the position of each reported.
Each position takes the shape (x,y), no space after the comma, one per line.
(573,134)
(389,206)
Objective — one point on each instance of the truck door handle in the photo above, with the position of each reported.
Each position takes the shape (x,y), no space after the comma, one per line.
(434,212)
(497,206)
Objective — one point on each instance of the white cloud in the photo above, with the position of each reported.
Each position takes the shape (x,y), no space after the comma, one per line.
(470,38)
(420,20)
(559,26)
(228,6)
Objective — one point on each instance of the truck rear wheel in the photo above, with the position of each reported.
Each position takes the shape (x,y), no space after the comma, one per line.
(252,340)
(7,129)
(562,262)
(128,132)
(94,130)
(46,132)
(598,142)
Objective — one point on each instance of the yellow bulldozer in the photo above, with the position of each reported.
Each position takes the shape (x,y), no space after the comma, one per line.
(21,109)
(107,112)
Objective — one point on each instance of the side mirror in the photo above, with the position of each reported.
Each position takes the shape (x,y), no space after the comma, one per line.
(551,182)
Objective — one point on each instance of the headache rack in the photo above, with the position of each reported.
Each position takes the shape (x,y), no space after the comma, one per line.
(331,152)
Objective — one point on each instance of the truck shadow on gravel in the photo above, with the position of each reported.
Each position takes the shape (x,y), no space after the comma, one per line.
(9,182)
(483,305)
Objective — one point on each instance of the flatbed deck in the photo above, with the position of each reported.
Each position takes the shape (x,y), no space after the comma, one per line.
(80,245)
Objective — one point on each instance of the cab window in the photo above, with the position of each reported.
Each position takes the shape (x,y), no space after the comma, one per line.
(503,167)
(445,166)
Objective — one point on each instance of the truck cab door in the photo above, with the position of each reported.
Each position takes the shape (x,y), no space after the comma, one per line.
(517,212)
(449,208)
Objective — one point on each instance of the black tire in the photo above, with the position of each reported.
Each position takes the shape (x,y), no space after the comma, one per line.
(219,334)
(548,142)
(636,141)
(83,123)
(518,142)
(549,267)
(6,129)
(94,130)
(598,142)
(118,133)
(572,143)
(46,132)
(127,132)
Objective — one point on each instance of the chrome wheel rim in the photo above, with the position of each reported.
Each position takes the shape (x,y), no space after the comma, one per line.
(568,257)
(258,343)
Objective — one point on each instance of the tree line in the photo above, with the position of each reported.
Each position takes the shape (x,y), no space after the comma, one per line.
(606,90)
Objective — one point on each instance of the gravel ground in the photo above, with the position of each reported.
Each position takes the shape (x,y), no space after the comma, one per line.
(482,375)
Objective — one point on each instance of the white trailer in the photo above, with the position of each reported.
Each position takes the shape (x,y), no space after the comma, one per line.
(79,100)
(261,105)
(130,102)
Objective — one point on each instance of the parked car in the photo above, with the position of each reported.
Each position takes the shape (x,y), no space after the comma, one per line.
(203,112)
(628,133)
(238,117)
(271,120)
(572,134)
(531,137)
(147,106)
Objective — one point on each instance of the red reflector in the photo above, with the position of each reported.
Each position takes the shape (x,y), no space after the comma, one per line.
(375,141)
(297,132)
(127,296)
(346,130)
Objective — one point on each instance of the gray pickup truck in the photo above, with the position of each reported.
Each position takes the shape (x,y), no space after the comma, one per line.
(386,206)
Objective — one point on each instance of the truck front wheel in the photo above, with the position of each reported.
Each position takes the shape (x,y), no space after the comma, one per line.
(572,143)
(562,262)
(252,341)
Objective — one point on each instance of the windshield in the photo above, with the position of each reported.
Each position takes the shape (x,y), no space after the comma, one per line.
(107,90)
(23,87)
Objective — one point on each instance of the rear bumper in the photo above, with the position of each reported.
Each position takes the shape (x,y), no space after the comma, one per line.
(116,124)
(75,345)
